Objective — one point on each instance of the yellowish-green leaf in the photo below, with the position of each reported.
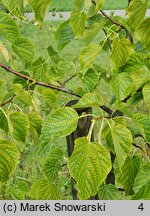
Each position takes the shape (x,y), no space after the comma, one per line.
(22,94)
(35,121)
(122,139)
(20,124)
(128,174)
(122,84)
(139,77)
(77,22)
(143,33)
(64,35)
(9,157)
(146,94)
(24,48)
(47,191)
(142,177)
(143,193)
(99,4)
(40,69)
(88,56)
(89,99)
(90,80)
(143,122)
(40,8)
(53,54)
(14,6)
(108,192)
(8,27)
(50,97)
(51,168)
(121,52)
(89,165)
(3,121)
(136,12)
(78,4)
(4,51)
(61,123)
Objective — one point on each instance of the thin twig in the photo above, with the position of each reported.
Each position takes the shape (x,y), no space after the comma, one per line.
(108,40)
(137,147)
(128,35)
(37,82)
(70,78)
(9,100)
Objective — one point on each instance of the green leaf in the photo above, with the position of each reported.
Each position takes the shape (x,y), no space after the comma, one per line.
(90,80)
(122,84)
(35,121)
(56,153)
(77,21)
(143,122)
(121,51)
(78,4)
(53,54)
(24,48)
(142,178)
(143,33)
(146,95)
(128,174)
(142,183)
(8,27)
(92,32)
(122,139)
(139,77)
(107,136)
(88,56)
(22,185)
(136,12)
(64,35)
(4,51)
(50,97)
(3,121)
(9,157)
(136,61)
(40,7)
(21,94)
(89,99)
(108,192)
(51,168)
(40,68)
(47,191)
(61,123)
(143,193)
(89,165)
(20,125)
(14,6)
(99,4)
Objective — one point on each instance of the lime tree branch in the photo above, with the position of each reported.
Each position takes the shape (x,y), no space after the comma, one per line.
(58,88)
(69,79)
(108,40)
(128,35)
(37,82)
(9,100)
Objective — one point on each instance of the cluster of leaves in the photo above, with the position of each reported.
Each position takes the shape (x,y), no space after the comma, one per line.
(33,99)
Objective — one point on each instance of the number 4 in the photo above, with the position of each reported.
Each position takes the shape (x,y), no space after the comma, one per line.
(141,207)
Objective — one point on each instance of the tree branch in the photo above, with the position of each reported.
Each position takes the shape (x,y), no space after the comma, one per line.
(70,78)
(7,101)
(37,82)
(128,35)
(108,40)
(137,147)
